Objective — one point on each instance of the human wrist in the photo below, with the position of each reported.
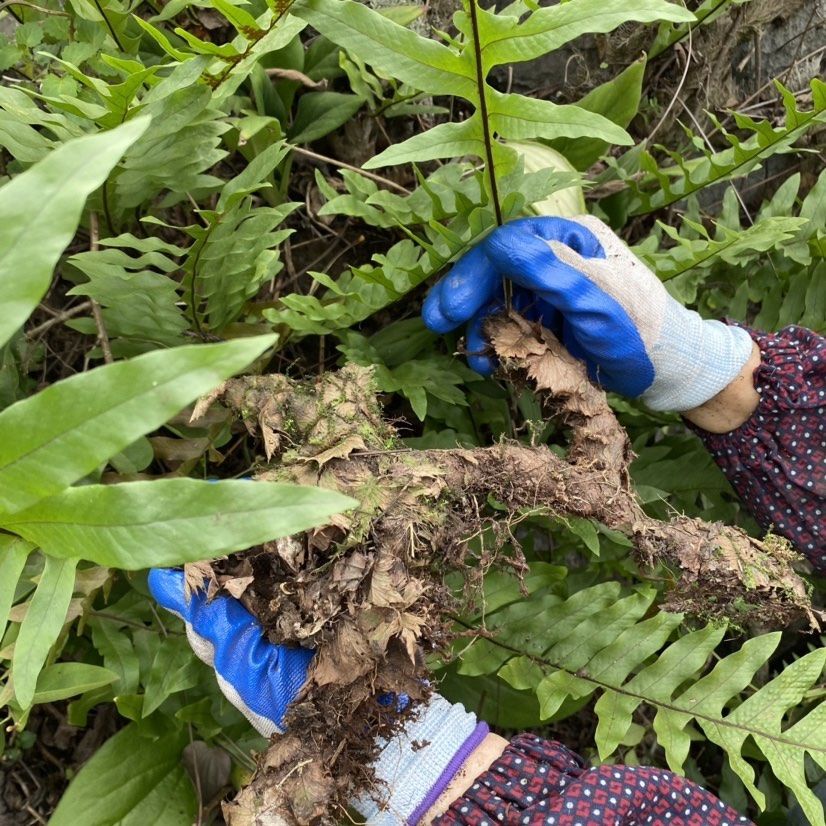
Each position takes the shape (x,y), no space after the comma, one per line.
(418,763)
(732,406)
(695,359)
(478,762)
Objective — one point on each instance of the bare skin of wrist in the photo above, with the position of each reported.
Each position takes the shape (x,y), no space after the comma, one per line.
(479,761)
(733,405)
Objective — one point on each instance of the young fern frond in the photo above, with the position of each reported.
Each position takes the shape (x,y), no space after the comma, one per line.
(238,248)
(701,250)
(775,263)
(661,186)
(441,218)
(601,643)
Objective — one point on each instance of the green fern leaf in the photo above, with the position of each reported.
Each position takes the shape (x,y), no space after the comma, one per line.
(462,71)
(761,716)
(138,299)
(730,246)
(550,27)
(600,643)
(236,252)
(662,186)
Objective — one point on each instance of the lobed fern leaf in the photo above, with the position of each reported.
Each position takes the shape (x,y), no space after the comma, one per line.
(236,250)
(730,246)
(139,299)
(783,251)
(602,643)
(461,69)
(661,186)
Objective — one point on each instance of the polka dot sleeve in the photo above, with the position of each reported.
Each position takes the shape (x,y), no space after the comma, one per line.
(538,781)
(776,461)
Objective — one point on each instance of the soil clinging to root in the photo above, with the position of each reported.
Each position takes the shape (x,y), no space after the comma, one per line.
(367,590)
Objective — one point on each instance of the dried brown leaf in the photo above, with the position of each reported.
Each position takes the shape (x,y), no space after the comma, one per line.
(199,576)
(272,440)
(205,402)
(515,340)
(340,451)
(237,585)
(298,77)
(345,659)
(349,572)
(178,450)
(290,550)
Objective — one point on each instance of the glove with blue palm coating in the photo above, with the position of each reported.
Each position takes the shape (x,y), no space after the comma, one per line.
(581,281)
(261,680)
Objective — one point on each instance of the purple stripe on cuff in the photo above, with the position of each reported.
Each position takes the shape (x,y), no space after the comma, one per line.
(468,747)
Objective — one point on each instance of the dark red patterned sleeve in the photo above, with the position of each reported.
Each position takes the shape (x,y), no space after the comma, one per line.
(776,461)
(538,781)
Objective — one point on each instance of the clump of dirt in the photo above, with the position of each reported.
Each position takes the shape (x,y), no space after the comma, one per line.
(367,590)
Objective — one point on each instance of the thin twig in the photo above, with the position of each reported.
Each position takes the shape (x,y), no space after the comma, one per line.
(800,43)
(59,319)
(676,96)
(35,815)
(307,153)
(34,6)
(103,336)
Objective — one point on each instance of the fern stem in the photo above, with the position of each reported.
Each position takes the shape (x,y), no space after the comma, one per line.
(490,168)
(108,25)
(483,111)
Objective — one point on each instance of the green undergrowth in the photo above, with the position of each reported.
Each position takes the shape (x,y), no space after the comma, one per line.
(208,187)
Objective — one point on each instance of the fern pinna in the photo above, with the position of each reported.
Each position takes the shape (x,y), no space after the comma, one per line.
(603,642)
(654,186)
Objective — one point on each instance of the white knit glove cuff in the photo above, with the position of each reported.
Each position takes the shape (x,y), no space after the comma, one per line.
(413,762)
(693,359)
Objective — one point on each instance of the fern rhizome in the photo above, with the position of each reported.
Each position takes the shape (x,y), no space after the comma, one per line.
(369,591)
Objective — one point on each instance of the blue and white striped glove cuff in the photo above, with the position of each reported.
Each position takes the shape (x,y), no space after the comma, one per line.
(414,761)
(694,359)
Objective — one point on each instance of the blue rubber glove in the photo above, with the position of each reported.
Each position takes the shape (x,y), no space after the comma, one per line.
(580,280)
(260,679)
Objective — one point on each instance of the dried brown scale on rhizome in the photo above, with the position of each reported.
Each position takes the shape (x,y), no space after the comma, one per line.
(367,591)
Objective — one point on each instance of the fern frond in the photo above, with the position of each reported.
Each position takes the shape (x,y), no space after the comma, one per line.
(462,70)
(661,186)
(136,293)
(237,250)
(729,246)
(225,67)
(441,218)
(602,643)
